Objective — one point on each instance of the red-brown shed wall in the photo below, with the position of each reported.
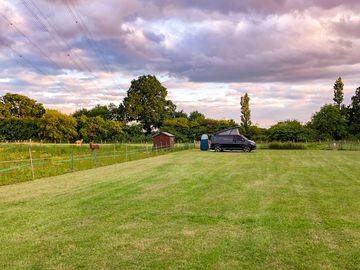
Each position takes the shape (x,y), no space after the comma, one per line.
(163,141)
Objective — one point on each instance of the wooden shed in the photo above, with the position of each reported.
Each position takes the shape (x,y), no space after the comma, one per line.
(163,140)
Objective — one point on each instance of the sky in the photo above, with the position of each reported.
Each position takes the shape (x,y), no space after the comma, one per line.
(286,54)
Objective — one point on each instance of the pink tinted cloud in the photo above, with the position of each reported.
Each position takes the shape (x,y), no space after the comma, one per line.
(203,46)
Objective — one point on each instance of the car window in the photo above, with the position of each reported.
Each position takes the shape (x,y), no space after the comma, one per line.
(239,138)
(234,132)
(225,133)
(226,138)
(223,139)
(242,136)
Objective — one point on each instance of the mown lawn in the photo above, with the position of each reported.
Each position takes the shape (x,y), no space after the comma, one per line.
(270,209)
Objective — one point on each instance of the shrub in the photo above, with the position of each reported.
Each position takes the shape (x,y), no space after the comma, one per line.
(15,128)
(290,130)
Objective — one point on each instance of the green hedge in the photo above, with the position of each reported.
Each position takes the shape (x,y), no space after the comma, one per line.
(286,145)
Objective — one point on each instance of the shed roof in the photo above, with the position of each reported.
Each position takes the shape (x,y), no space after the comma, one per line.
(165,133)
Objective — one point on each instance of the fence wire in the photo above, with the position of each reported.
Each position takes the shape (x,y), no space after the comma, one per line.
(69,158)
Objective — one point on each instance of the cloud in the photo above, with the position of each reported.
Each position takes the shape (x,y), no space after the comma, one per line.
(347,27)
(286,54)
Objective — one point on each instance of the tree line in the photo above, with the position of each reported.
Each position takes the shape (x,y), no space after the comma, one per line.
(146,110)
(336,121)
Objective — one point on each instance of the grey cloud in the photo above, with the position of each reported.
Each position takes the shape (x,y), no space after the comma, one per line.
(155,37)
(256,6)
(4,42)
(347,28)
(197,41)
(257,53)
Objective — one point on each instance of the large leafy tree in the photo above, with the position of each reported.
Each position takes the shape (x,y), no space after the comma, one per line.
(329,123)
(55,126)
(245,114)
(146,103)
(16,105)
(354,113)
(338,92)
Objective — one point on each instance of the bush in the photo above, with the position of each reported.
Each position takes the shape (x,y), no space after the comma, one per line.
(287,145)
(15,128)
(290,130)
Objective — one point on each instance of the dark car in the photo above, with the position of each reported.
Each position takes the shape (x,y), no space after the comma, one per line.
(230,139)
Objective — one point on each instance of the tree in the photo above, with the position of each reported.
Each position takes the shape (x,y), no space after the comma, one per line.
(4,110)
(91,128)
(20,106)
(15,128)
(146,103)
(290,130)
(245,114)
(55,126)
(98,129)
(108,112)
(338,92)
(180,114)
(258,133)
(354,114)
(208,126)
(100,110)
(196,116)
(134,133)
(178,127)
(329,123)
(81,112)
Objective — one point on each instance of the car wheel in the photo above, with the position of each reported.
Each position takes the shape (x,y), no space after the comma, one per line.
(247,149)
(218,148)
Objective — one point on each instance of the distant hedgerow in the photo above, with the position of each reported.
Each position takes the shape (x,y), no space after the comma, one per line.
(286,145)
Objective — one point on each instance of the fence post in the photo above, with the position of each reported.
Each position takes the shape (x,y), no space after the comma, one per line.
(147,149)
(114,151)
(31,163)
(94,155)
(72,160)
(126,152)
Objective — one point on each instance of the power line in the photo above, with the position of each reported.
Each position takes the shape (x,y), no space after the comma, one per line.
(30,41)
(35,15)
(35,45)
(79,21)
(28,62)
(59,37)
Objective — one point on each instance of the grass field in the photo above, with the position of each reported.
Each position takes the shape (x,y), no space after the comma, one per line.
(57,159)
(269,209)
